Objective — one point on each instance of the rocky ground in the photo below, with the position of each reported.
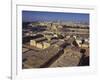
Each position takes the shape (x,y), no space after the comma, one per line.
(55,57)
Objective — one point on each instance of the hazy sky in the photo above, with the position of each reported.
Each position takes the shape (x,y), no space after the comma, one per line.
(54,16)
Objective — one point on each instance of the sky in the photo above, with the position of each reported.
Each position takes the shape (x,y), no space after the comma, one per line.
(30,16)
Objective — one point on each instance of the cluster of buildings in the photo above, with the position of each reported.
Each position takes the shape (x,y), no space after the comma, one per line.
(43,42)
(55,33)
